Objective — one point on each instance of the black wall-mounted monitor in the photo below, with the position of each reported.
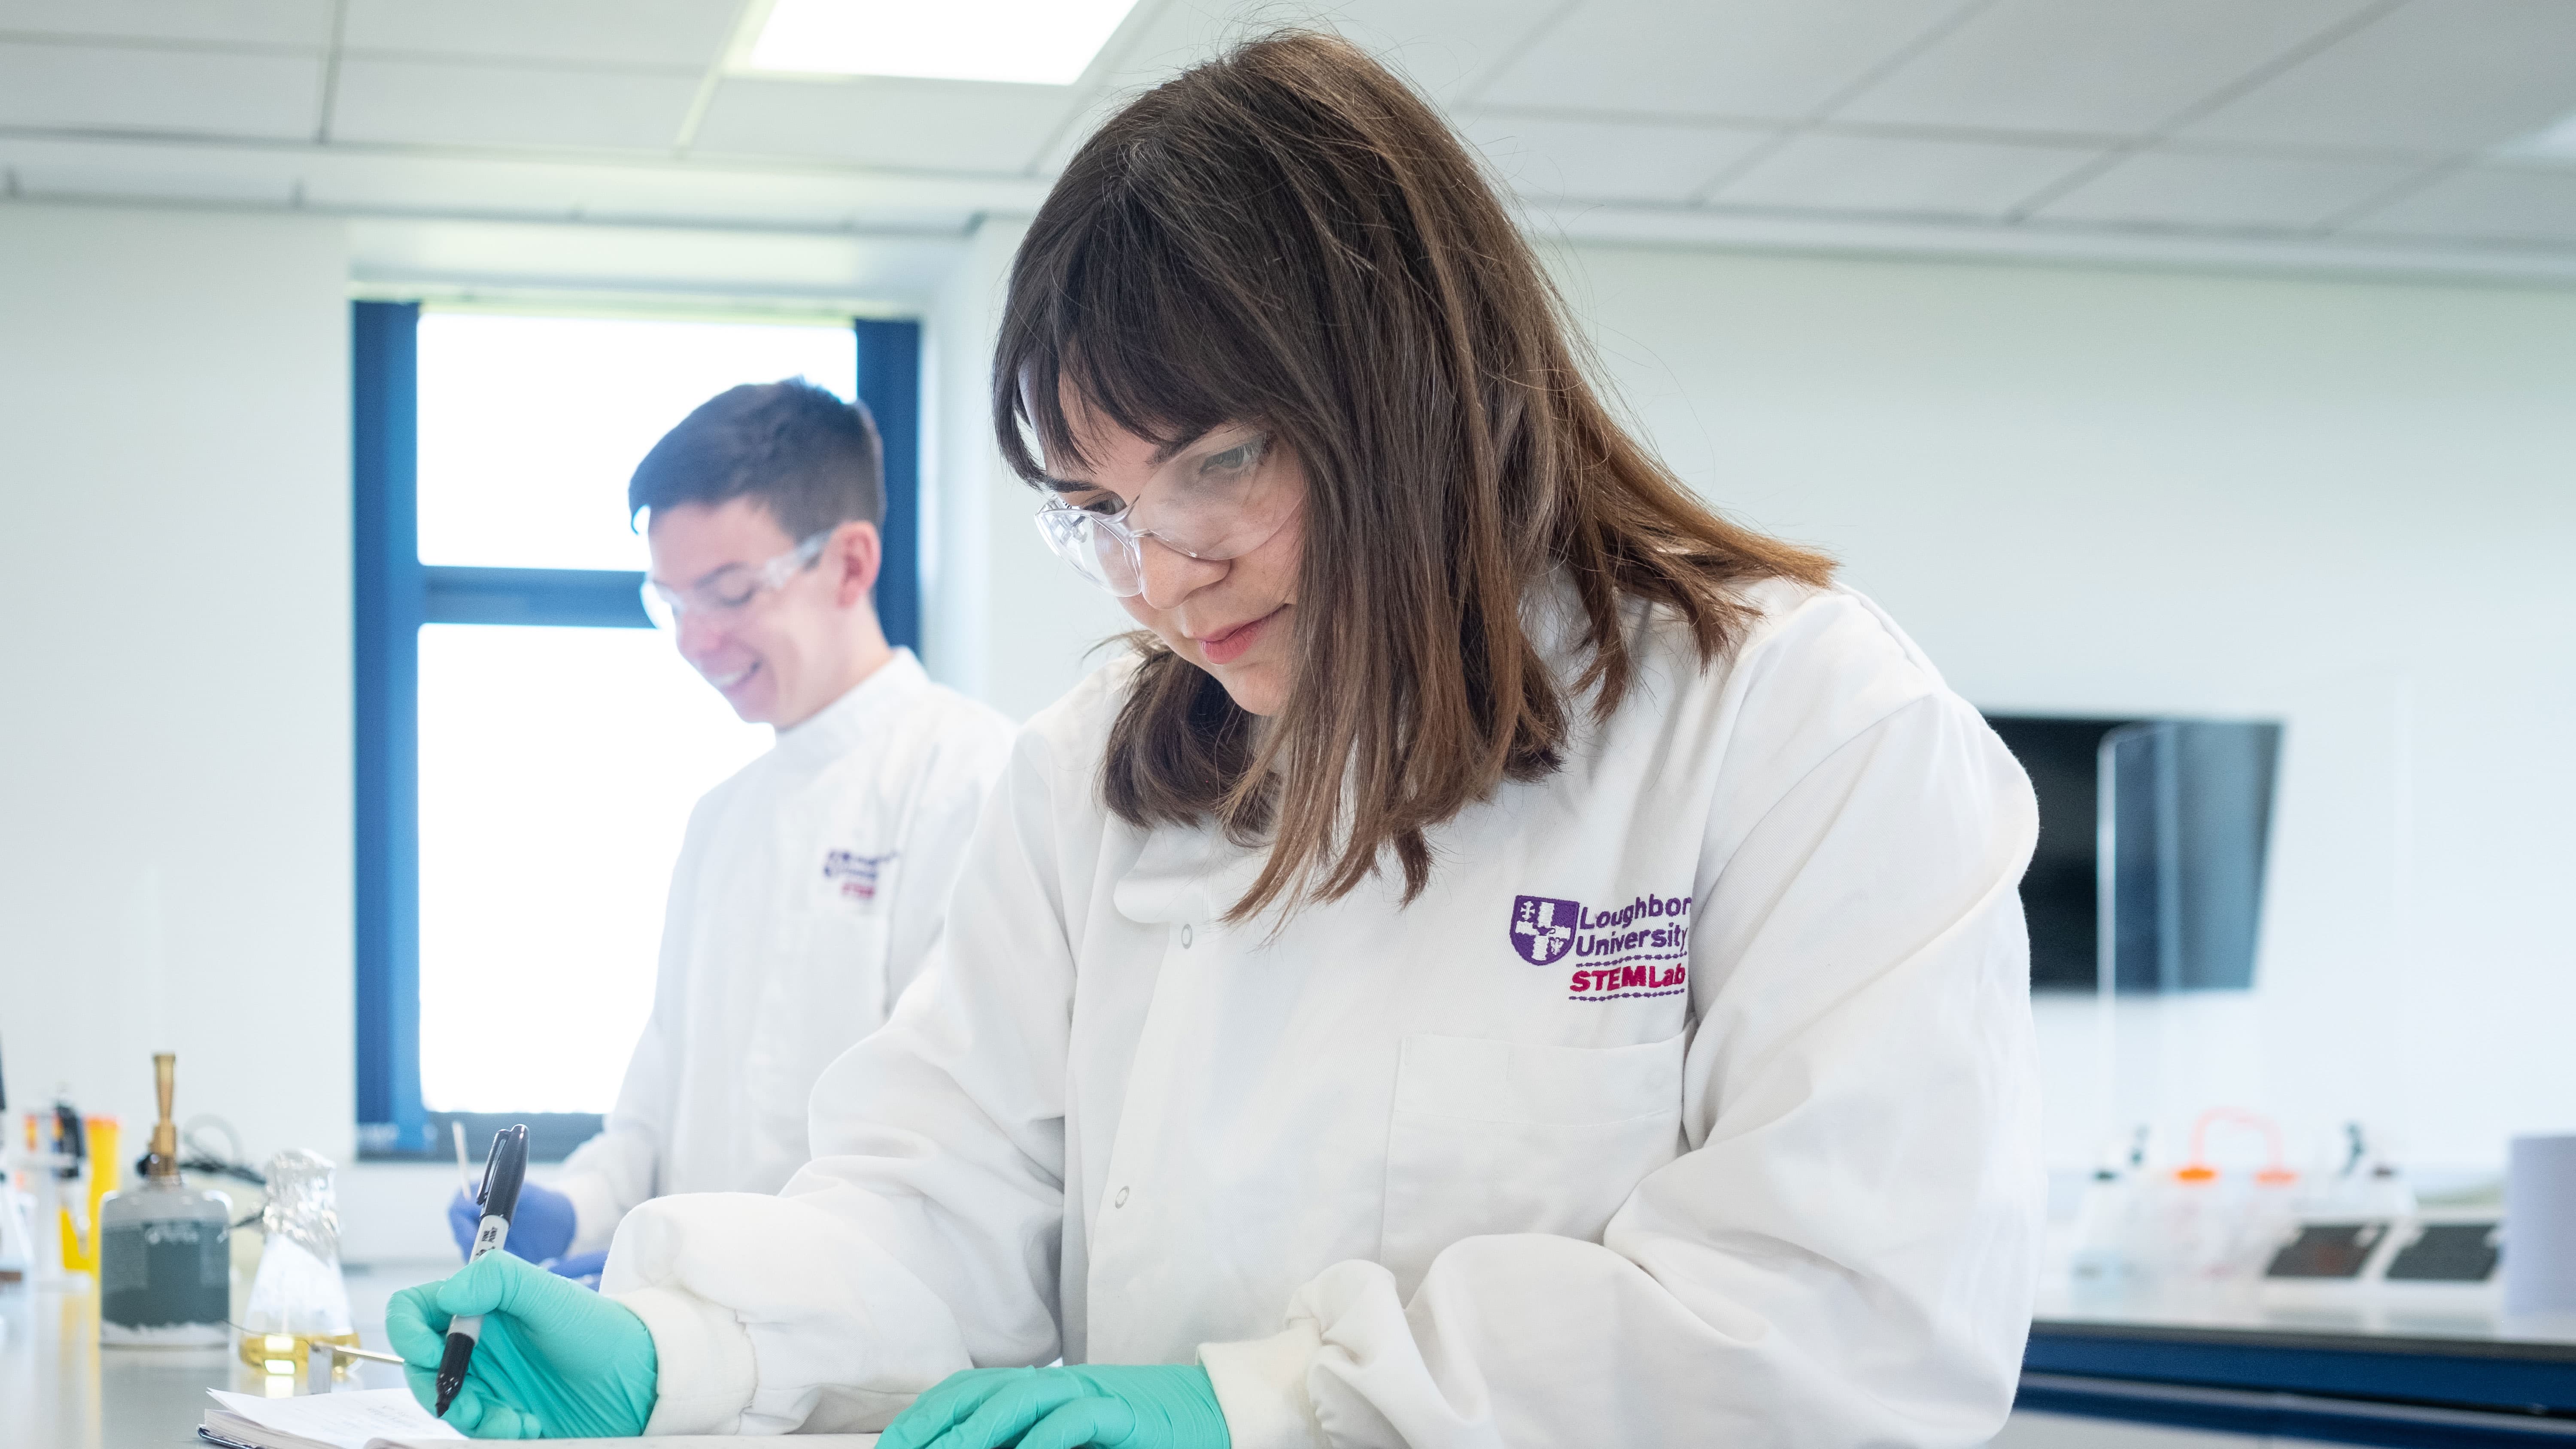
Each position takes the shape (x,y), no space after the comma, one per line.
(2192,805)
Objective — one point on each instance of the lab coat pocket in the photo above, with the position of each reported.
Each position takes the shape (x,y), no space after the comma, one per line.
(1519,1137)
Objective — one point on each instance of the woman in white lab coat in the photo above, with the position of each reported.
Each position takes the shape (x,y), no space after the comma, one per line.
(1509,958)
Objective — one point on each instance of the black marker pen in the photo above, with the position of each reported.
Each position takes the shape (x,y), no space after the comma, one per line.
(502,1173)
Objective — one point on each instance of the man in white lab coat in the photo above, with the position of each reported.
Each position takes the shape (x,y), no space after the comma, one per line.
(811,885)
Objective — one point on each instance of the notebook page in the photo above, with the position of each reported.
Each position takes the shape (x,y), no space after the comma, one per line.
(346,1421)
(692,1441)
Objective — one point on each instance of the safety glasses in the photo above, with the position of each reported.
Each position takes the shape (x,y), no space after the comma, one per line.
(725,595)
(1212,504)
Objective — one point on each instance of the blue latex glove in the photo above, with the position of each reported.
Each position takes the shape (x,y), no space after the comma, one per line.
(582,1268)
(541,1226)
(556,1361)
(1116,1406)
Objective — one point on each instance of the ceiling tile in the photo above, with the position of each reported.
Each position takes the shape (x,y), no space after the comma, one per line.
(1607,160)
(246,22)
(921,125)
(1901,176)
(2166,188)
(1439,45)
(1759,58)
(2486,203)
(631,32)
(2120,69)
(213,92)
(2434,76)
(433,103)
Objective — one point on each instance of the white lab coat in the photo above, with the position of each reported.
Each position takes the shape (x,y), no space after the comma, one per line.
(810,887)
(1749,1156)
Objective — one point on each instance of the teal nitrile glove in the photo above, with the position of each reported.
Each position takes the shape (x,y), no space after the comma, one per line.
(1116,1406)
(556,1361)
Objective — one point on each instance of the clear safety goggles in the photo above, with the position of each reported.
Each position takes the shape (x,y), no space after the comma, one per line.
(729,592)
(1213,506)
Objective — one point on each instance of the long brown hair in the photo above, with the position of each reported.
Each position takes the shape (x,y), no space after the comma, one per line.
(1289,236)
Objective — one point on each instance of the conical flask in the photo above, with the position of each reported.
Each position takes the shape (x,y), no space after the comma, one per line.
(298,1299)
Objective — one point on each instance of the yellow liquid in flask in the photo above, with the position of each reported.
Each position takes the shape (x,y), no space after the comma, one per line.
(289,1353)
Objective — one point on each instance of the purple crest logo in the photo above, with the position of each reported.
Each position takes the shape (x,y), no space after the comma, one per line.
(1542,928)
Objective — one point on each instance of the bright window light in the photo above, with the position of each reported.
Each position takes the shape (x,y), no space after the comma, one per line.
(557,768)
(1034,42)
(529,426)
(558,765)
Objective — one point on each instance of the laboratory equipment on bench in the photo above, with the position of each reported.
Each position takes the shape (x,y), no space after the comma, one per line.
(2367,1186)
(298,1298)
(2104,1263)
(17,1235)
(101,1176)
(84,1172)
(17,1231)
(66,1184)
(2540,1201)
(164,1251)
(2213,1228)
(2441,1261)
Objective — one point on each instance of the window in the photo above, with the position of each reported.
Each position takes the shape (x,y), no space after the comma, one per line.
(528,747)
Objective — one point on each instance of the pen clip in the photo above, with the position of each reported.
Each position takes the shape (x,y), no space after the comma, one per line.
(504,1171)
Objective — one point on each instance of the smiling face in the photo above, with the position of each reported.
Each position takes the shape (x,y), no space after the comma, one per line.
(784,653)
(1229,616)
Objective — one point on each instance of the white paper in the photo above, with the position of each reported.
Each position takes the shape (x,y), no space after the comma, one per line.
(696,1441)
(345,1421)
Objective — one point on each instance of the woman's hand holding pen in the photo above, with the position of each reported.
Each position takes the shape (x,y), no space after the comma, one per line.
(556,1360)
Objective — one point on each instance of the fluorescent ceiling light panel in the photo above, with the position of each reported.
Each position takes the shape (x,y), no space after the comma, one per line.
(1033,42)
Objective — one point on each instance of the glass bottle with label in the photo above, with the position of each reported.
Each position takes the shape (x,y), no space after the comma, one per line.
(165,1255)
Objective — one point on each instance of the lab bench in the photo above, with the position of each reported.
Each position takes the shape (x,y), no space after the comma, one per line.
(60,1389)
(2364,1373)
(2368,1376)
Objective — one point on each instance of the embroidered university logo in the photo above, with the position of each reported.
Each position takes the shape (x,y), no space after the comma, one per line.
(856,873)
(1640,947)
(1542,927)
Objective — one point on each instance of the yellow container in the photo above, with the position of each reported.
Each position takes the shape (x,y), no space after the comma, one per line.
(80,1239)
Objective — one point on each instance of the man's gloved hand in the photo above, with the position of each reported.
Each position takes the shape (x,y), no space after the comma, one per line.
(582,1268)
(541,1227)
(556,1361)
(1116,1406)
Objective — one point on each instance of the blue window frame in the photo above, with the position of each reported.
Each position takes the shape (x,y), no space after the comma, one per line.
(395,595)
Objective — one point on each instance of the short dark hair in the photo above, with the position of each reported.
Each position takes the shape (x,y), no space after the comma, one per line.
(811,459)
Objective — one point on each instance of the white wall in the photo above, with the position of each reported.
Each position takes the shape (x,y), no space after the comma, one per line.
(174,755)
(2347,505)
(1008,621)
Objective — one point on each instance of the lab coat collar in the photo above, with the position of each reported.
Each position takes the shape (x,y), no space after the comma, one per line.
(1191,874)
(845,723)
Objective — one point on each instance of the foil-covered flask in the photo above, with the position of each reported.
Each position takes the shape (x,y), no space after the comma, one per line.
(297,1299)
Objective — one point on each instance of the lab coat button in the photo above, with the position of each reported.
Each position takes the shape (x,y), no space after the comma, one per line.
(1120,1200)
(1185,938)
